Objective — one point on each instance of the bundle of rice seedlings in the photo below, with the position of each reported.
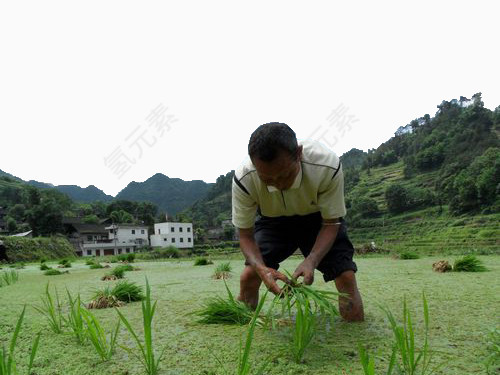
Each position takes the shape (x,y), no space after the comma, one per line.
(44,267)
(409,255)
(102,301)
(293,292)
(202,261)
(53,272)
(127,291)
(468,263)
(441,266)
(222,271)
(118,272)
(109,277)
(95,266)
(90,261)
(217,310)
(64,263)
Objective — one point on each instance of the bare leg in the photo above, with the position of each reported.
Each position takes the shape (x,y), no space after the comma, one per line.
(249,287)
(350,307)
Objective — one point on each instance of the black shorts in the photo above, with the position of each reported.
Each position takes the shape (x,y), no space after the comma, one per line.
(280,237)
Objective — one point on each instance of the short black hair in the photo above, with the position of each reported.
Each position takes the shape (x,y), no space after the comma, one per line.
(269,139)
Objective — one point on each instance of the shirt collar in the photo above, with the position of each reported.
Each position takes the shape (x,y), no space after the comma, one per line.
(295,185)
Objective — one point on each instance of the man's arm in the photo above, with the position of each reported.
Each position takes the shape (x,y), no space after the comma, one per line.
(324,241)
(253,256)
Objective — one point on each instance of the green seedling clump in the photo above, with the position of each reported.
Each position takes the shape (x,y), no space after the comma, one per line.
(222,271)
(409,255)
(202,261)
(53,272)
(468,263)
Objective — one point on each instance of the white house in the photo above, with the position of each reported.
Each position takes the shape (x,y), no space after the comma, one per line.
(166,234)
(125,234)
(122,239)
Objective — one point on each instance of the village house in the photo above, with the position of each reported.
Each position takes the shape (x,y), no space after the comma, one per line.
(167,234)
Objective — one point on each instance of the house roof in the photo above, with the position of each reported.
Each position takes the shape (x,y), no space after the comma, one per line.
(89,228)
(24,234)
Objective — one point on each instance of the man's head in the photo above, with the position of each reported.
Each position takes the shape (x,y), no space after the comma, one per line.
(276,154)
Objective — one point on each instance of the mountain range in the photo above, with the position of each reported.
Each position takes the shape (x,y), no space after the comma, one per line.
(170,195)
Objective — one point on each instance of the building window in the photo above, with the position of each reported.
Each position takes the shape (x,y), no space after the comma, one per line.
(182,239)
(165,239)
(180,229)
(133,231)
(89,238)
(189,239)
(173,240)
(172,229)
(128,250)
(159,231)
(142,231)
(189,229)
(119,251)
(89,252)
(111,231)
(98,253)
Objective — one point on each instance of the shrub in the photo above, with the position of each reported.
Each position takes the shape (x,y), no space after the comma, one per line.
(468,263)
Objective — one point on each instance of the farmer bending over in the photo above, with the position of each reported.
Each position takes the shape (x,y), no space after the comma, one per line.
(298,192)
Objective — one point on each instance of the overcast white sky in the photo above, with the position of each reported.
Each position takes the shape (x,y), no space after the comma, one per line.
(79,80)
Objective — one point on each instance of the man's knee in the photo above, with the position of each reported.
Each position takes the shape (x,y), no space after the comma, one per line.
(346,281)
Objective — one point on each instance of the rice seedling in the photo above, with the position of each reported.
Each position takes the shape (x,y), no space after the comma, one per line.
(305,327)
(492,362)
(147,355)
(52,309)
(411,361)
(218,310)
(9,277)
(126,267)
(469,263)
(7,360)
(90,261)
(75,320)
(97,336)
(96,266)
(244,365)
(202,261)
(222,271)
(53,272)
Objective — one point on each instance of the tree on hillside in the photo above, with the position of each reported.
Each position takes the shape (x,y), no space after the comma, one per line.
(396,196)
(121,217)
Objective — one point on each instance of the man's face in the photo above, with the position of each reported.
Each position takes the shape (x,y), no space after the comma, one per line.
(281,172)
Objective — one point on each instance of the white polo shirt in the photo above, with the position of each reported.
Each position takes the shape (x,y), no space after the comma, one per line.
(318,187)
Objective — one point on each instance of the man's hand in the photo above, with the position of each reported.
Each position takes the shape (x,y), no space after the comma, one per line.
(269,277)
(306,270)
